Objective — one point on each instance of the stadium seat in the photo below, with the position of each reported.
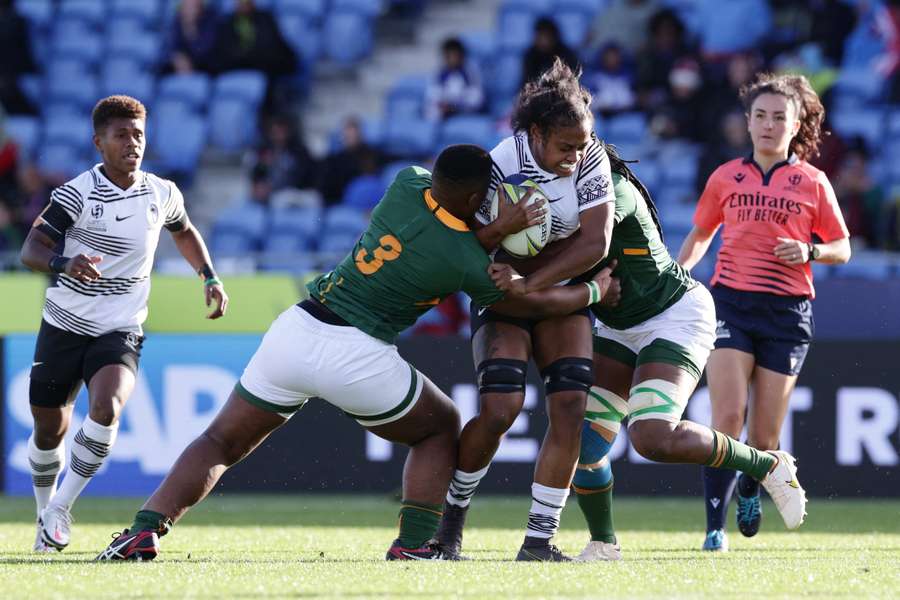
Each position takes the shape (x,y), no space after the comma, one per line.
(391,170)
(858,84)
(147,11)
(73,129)
(679,170)
(367,8)
(481,46)
(406,97)
(78,44)
(141,46)
(83,91)
(246,86)
(192,89)
(502,78)
(364,192)
(89,11)
(138,86)
(345,218)
(179,139)
(25,130)
(866,265)
(733,26)
(309,9)
(468,129)
(538,7)
(33,88)
(247,220)
(347,37)
(302,34)
(649,172)
(409,136)
(232,124)
(574,24)
(61,160)
(594,7)
(867,123)
(628,128)
(372,133)
(515,27)
(285,261)
(304,221)
(38,13)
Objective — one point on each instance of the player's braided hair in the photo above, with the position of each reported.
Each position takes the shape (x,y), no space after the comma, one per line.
(555,99)
(809,109)
(116,107)
(619,165)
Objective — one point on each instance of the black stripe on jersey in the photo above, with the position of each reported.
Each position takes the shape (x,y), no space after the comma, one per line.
(496,175)
(110,244)
(70,321)
(521,140)
(114,286)
(69,198)
(592,159)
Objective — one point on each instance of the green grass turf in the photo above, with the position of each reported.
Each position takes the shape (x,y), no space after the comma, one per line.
(304,546)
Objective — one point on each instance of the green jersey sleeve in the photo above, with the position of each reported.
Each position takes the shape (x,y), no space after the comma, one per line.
(476,282)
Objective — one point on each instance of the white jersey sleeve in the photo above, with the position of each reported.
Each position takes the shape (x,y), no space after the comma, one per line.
(173,208)
(593,180)
(507,161)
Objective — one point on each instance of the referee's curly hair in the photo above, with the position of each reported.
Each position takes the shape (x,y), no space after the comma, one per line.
(116,107)
(808,107)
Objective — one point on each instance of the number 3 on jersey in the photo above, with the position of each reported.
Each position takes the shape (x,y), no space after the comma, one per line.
(389,249)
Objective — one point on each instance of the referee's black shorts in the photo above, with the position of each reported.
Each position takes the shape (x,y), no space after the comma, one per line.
(62,360)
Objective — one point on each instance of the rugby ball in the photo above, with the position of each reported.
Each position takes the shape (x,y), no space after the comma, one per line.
(527,242)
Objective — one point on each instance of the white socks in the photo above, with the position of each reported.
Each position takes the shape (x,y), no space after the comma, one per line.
(463,485)
(546,505)
(45,468)
(92,444)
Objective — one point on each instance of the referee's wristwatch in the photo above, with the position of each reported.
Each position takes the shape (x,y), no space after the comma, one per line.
(813,252)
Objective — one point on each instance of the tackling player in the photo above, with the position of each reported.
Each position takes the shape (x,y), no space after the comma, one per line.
(107,221)
(338,345)
(779,214)
(554,146)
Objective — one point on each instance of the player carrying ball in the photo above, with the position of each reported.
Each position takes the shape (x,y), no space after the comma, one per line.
(338,345)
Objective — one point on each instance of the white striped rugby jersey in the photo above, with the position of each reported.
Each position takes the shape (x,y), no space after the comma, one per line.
(589,186)
(97,218)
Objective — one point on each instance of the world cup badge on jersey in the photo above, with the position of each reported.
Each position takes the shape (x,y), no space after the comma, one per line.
(153,213)
(96,223)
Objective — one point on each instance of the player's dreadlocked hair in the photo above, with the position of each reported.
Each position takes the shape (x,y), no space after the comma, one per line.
(555,99)
(619,165)
(116,107)
(808,107)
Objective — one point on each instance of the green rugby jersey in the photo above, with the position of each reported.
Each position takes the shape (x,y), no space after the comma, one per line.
(413,254)
(651,280)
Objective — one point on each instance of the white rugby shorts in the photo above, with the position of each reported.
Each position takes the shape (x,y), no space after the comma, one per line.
(301,357)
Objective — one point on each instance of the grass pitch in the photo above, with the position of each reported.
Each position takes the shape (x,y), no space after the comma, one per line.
(308,546)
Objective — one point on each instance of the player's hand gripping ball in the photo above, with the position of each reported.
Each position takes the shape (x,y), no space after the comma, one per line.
(531,240)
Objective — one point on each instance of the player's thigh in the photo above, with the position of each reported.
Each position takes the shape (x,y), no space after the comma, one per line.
(771,392)
(568,336)
(240,426)
(433,414)
(56,371)
(728,374)
(108,391)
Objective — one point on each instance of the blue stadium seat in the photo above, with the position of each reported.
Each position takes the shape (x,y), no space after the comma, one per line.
(285,242)
(337,243)
(193,89)
(343,226)
(649,172)
(147,11)
(515,28)
(866,265)
(179,139)
(247,86)
(538,7)
(86,47)
(867,123)
(481,46)
(468,129)
(372,133)
(406,97)
(83,91)
(302,34)
(25,130)
(502,78)
(574,24)
(65,68)
(858,86)
(228,6)
(594,7)
(821,271)
(674,195)
(628,128)
(247,220)
(232,124)
(391,170)
(364,192)
(89,11)
(367,8)
(139,85)
(310,9)
(73,129)
(679,170)
(62,160)
(38,13)
(281,261)
(304,221)
(409,136)
(733,26)
(143,46)
(347,37)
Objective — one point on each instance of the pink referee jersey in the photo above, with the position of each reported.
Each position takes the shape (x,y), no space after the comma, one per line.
(794,200)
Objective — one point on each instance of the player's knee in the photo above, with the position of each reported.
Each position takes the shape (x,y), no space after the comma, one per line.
(229,452)
(570,374)
(500,413)
(46,439)
(106,411)
(594,447)
(566,410)
(595,477)
(765,441)
(730,420)
(652,438)
(501,376)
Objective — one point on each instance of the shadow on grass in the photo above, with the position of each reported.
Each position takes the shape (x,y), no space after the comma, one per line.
(497,512)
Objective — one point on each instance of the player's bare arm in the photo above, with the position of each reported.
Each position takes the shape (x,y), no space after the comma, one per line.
(798,252)
(511,218)
(38,254)
(586,251)
(192,247)
(556,301)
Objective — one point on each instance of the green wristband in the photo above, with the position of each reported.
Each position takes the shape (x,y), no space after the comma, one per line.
(593,291)
(212,281)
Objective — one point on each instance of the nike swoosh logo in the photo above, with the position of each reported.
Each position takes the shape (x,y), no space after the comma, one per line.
(552,200)
(793,483)
(482,310)
(37,364)
(413,556)
(123,218)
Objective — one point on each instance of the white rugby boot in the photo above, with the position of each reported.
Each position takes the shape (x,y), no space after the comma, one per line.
(783,487)
(40,546)
(55,522)
(600,551)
